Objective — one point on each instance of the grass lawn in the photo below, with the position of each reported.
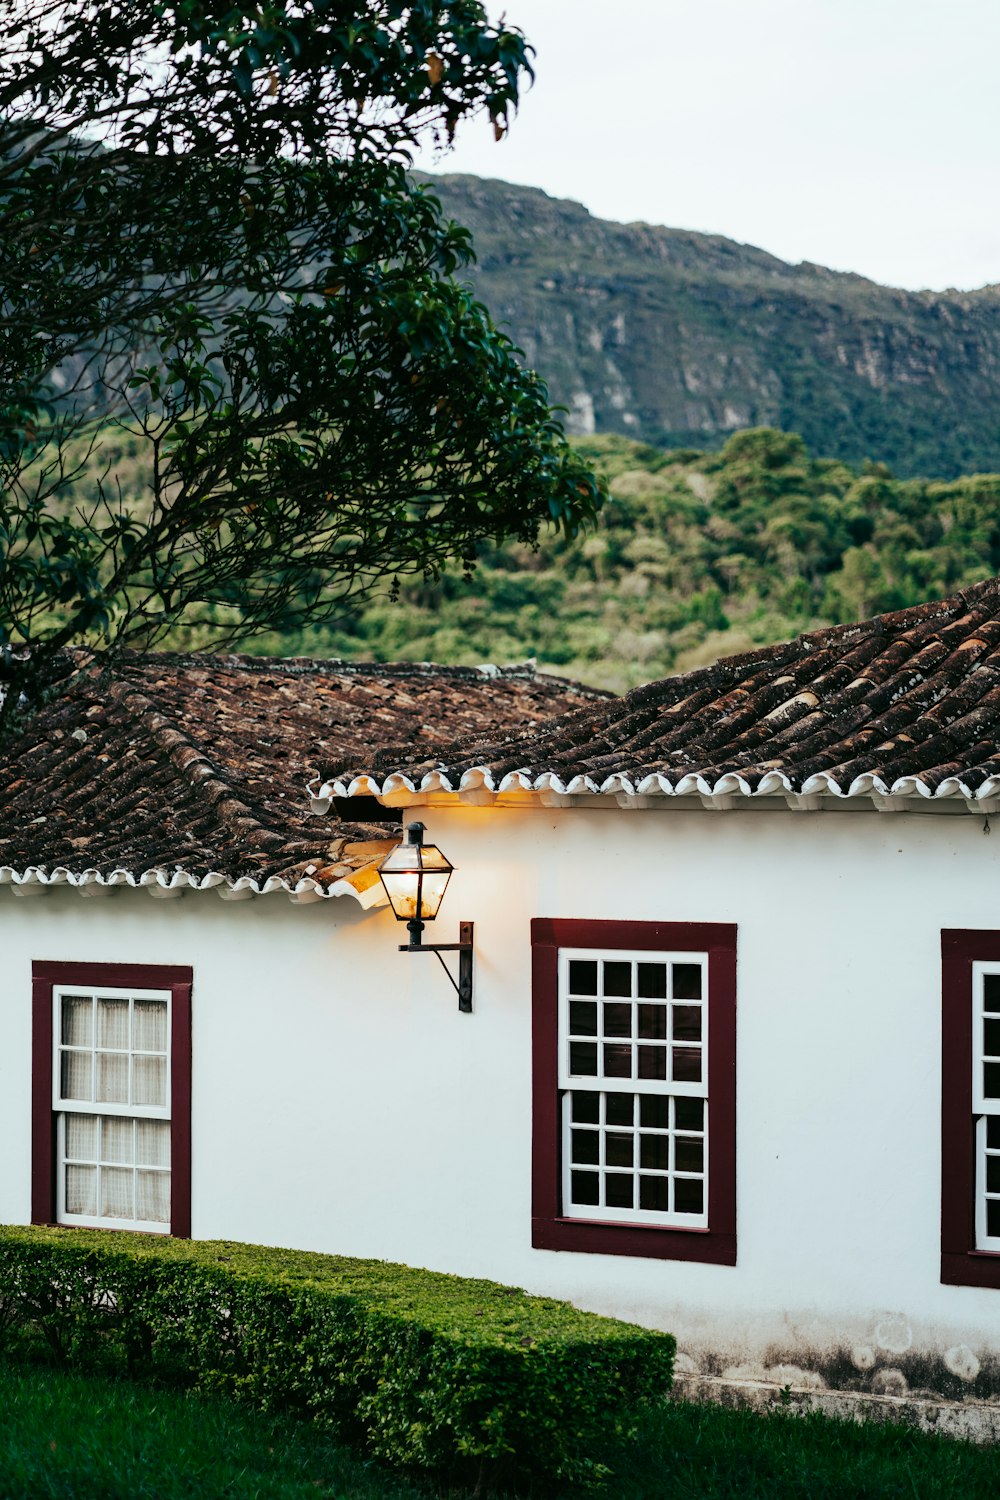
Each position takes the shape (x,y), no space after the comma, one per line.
(78,1437)
(74,1437)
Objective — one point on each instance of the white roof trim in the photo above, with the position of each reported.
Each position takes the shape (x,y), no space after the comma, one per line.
(158,881)
(727,790)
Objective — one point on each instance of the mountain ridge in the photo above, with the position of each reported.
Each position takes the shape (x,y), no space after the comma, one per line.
(679,337)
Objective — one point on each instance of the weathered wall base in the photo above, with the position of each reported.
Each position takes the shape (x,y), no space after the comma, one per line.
(976,1422)
(885,1360)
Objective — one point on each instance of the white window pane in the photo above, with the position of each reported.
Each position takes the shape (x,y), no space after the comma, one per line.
(81,1190)
(149,1080)
(116,1193)
(77,1019)
(112,1023)
(112,1078)
(154,1197)
(76,1075)
(152,1143)
(81,1137)
(116,1139)
(149,1026)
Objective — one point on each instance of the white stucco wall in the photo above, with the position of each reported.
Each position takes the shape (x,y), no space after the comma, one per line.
(341,1103)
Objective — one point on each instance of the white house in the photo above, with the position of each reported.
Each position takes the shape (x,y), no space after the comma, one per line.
(166,1060)
(733,1061)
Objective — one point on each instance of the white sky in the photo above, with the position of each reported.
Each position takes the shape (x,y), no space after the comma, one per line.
(862,134)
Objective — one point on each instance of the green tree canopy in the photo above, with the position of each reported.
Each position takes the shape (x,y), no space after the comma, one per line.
(212,250)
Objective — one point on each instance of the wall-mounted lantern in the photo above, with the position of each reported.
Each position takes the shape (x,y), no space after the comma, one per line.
(415,876)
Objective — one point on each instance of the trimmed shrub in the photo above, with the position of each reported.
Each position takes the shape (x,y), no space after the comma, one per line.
(467,1379)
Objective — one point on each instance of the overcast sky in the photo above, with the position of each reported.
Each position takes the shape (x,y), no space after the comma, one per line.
(862,134)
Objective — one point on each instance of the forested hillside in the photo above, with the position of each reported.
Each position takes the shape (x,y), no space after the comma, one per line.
(696,556)
(679,339)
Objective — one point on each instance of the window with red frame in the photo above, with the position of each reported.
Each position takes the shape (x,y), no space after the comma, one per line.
(111,1106)
(970,1108)
(634,1108)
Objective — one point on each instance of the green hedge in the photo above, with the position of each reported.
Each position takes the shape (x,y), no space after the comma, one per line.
(468,1379)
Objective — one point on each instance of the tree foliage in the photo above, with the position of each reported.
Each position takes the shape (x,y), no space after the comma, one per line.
(696,556)
(212,249)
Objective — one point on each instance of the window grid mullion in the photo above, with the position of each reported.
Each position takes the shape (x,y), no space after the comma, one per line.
(594,992)
(105,1112)
(985,1107)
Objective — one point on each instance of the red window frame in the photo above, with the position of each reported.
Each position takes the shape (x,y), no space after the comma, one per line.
(172,977)
(550,1230)
(961,1263)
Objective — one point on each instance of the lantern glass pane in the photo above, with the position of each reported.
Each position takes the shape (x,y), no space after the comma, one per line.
(401,888)
(405,857)
(415,877)
(431,858)
(432,893)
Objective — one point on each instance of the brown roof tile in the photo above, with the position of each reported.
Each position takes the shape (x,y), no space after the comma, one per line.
(908,701)
(196,766)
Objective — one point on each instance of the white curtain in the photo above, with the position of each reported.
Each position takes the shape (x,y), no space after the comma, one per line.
(149,1080)
(77,1021)
(81,1137)
(116,1140)
(112,1077)
(114,1051)
(76,1075)
(149,1026)
(153,1189)
(116,1193)
(112,1024)
(81,1190)
(152,1143)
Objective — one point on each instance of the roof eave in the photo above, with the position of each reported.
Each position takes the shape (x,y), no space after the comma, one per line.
(361,883)
(479,786)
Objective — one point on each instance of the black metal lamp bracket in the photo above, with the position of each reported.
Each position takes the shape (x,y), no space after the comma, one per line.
(463,987)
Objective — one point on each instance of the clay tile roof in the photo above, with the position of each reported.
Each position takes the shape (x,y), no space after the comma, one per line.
(177,770)
(907,704)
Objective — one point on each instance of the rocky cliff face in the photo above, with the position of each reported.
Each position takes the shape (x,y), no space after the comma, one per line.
(679,338)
